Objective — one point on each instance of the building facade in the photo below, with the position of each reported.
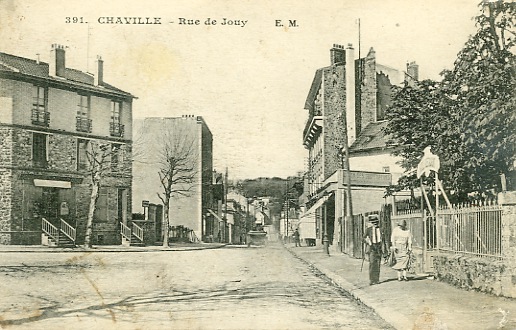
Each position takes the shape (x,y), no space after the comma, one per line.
(348,97)
(187,134)
(49,116)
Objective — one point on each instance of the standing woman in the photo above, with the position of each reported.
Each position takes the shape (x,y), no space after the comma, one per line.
(401,240)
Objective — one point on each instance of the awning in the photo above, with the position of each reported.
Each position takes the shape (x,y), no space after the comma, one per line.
(215,215)
(52,183)
(318,204)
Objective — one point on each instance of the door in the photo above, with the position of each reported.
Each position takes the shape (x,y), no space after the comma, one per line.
(50,205)
(122,207)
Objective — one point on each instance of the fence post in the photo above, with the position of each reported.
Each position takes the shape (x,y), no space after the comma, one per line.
(507,200)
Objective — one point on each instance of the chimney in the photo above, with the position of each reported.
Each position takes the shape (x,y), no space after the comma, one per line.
(56,65)
(337,54)
(412,71)
(350,93)
(99,74)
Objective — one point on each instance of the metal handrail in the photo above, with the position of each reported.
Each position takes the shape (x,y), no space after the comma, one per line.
(138,231)
(49,229)
(125,231)
(68,230)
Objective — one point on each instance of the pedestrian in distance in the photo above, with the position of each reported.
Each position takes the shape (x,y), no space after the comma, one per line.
(373,241)
(296,238)
(401,249)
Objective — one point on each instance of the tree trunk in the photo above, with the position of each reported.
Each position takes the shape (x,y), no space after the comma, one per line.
(166,224)
(93,203)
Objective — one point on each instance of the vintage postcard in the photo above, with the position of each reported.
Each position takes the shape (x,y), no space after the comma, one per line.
(230,164)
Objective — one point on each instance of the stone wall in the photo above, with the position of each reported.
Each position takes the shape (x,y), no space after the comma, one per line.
(5,205)
(471,273)
(334,108)
(368,91)
(16,192)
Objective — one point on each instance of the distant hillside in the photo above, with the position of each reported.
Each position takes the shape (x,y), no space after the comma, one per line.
(275,187)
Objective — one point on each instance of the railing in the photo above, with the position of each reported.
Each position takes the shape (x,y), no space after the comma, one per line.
(68,230)
(125,231)
(116,129)
(40,117)
(49,229)
(472,230)
(138,231)
(83,124)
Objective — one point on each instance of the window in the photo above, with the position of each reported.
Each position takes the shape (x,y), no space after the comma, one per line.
(83,114)
(386,169)
(39,149)
(39,103)
(115,111)
(82,156)
(115,126)
(101,210)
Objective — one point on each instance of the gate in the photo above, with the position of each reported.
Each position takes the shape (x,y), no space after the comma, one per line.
(423,230)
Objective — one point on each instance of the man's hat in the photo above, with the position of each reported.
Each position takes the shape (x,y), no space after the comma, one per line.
(373,218)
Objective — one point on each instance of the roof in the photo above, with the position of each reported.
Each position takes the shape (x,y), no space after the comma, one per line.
(371,137)
(31,68)
(312,94)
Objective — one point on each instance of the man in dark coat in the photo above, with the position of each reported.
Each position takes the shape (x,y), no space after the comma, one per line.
(296,238)
(373,241)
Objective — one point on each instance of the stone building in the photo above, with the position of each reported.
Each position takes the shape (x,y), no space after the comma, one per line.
(49,115)
(357,92)
(190,209)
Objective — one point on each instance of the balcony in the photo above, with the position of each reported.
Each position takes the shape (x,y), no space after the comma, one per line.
(312,129)
(83,124)
(116,129)
(40,117)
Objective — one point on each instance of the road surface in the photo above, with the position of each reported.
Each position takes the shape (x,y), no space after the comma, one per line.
(226,288)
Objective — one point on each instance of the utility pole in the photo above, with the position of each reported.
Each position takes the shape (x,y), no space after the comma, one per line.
(225,204)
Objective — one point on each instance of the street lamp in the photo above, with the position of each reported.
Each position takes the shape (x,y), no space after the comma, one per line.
(326,241)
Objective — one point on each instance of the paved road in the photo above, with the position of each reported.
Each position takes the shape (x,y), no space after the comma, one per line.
(229,288)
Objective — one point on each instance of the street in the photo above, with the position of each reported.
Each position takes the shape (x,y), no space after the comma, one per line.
(225,288)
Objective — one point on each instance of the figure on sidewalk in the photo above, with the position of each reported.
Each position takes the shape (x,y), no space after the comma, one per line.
(401,249)
(296,237)
(373,241)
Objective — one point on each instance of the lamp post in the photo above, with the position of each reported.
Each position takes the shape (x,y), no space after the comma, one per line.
(326,241)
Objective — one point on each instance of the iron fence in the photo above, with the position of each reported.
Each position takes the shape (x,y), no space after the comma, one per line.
(471,229)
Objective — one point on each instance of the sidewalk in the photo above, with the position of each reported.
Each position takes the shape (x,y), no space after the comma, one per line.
(110,248)
(421,303)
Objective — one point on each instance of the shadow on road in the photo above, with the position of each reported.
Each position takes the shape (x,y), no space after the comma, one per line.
(230,292)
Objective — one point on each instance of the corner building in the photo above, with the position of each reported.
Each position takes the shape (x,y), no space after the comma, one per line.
(356,92)
(48,115)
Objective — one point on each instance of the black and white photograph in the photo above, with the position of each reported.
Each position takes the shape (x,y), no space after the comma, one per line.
(268,165)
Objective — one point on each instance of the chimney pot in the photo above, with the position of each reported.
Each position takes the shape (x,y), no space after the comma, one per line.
(337,54)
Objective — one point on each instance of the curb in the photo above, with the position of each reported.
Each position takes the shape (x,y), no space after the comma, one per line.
(108,250)
(394,318)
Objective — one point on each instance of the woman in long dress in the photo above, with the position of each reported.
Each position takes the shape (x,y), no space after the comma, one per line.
(401,240)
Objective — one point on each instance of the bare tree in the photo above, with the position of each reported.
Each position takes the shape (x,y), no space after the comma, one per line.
(177,159)
(98,157)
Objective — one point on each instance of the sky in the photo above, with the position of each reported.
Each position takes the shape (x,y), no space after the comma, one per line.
(249,82)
